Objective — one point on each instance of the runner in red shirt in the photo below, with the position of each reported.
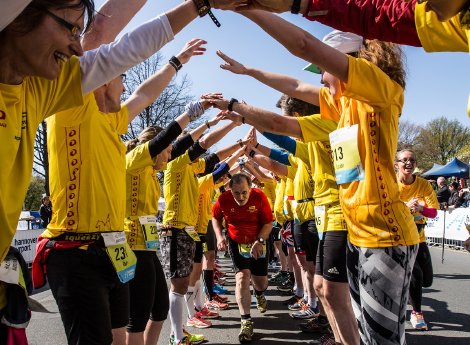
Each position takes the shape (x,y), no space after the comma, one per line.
(248,218)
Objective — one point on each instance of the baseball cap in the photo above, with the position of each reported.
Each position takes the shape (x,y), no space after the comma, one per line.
(345,42)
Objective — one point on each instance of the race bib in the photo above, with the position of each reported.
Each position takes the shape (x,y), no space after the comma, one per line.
(10,272)
(245,249)
(192,233)
(120,254)
(346,158)
(320,220)
(150,229)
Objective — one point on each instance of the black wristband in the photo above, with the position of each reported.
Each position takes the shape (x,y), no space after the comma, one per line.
(256,146)
(230,104)
(176,63)
(208,125)
(295,9)
(252,153)
(243,119)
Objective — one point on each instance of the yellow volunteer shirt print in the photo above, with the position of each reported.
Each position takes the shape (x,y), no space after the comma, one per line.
(374,213)
(22,108)
(180,189)
(87,169)
(204,203)
(279,202)
(269,189)
(142,193)
(303,188)
(422,190)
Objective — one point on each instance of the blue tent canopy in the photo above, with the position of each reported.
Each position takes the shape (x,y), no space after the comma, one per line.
(455,168)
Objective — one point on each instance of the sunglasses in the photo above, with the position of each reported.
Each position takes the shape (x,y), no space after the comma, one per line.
(74,29)
(404,161)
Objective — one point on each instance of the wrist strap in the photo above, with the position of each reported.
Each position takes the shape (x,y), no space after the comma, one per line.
(176,63)
(295,9)
(256,146)
(230,104)
(208,125)
(252,153)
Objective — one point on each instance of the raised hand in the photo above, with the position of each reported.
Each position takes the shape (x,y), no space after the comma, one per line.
(232,116)
(206,99)
(216,119)
(190,49)
(230,64)
(250,137)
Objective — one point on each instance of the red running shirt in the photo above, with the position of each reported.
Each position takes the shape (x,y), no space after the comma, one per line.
(243,222)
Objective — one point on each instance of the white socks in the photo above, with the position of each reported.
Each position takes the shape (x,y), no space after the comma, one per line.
(176,315)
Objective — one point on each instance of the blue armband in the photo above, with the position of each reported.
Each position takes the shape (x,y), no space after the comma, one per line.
(279,156)
(282,141)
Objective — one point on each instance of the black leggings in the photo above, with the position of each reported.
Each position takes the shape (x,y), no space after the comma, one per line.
(422,276)
(148,292)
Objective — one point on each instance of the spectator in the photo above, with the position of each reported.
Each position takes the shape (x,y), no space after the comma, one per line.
(443,193)
(45,210)
(456,197)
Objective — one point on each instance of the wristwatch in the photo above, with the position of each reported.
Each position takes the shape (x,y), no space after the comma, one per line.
(261,240)
(202,7)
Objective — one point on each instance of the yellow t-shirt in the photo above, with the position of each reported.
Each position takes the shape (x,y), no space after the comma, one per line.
(302,180)
(22,108)
(278,208)
(204,209)
(87,169)
(268,189)
(288,198)
(142,193)
(437,36)
(374,213)
(180,189)
(422,190)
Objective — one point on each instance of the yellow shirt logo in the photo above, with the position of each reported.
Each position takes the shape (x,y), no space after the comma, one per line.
(252,209)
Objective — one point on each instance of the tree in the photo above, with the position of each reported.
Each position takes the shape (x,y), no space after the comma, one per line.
(441,140)
(33,197)
(41,158)
(167,107)
(407,135)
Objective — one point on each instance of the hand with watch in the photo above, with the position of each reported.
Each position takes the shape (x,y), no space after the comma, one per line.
(257,248)
(203,7)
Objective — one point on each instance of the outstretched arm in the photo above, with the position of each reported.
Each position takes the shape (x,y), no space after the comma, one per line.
(302,44)
(151,88)
(109,21)
(283,83)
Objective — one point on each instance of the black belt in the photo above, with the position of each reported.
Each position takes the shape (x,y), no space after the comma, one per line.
(305,200)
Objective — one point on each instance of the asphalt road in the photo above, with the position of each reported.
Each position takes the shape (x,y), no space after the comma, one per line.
(446,306)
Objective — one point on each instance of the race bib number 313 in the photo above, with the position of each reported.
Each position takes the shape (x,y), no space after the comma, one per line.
(346,158)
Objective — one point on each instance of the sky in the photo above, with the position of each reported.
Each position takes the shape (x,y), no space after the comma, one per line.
(438,84)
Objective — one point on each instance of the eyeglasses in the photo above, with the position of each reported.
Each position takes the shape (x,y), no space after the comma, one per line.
(74,29)
(404,161)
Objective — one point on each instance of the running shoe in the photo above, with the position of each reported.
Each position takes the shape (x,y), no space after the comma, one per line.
(327,339)
(219,289)
(246,331)
(292,300)
(315,325)
(194,339)
(417,321)
(219,280)
(287,288)
(305,313)
(261,303)
(296,305)
(214,304)
(184,341)
(219,298)
(278,277)
(198,322)
(208,314)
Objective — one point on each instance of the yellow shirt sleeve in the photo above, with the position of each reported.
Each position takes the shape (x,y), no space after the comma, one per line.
(301,151)
(437,36)
(138,159)
(316,128)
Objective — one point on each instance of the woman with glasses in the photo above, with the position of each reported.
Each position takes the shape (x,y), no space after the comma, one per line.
(421,199)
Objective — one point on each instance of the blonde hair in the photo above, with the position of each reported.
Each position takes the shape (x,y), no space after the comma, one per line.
(147,134)
(387,56)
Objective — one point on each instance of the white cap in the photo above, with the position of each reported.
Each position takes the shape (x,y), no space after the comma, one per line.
(345,42)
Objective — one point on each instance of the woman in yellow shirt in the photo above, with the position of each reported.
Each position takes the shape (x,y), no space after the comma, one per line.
(420,197)
(365,96)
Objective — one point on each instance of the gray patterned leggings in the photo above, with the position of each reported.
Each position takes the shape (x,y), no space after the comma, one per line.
(379,280)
